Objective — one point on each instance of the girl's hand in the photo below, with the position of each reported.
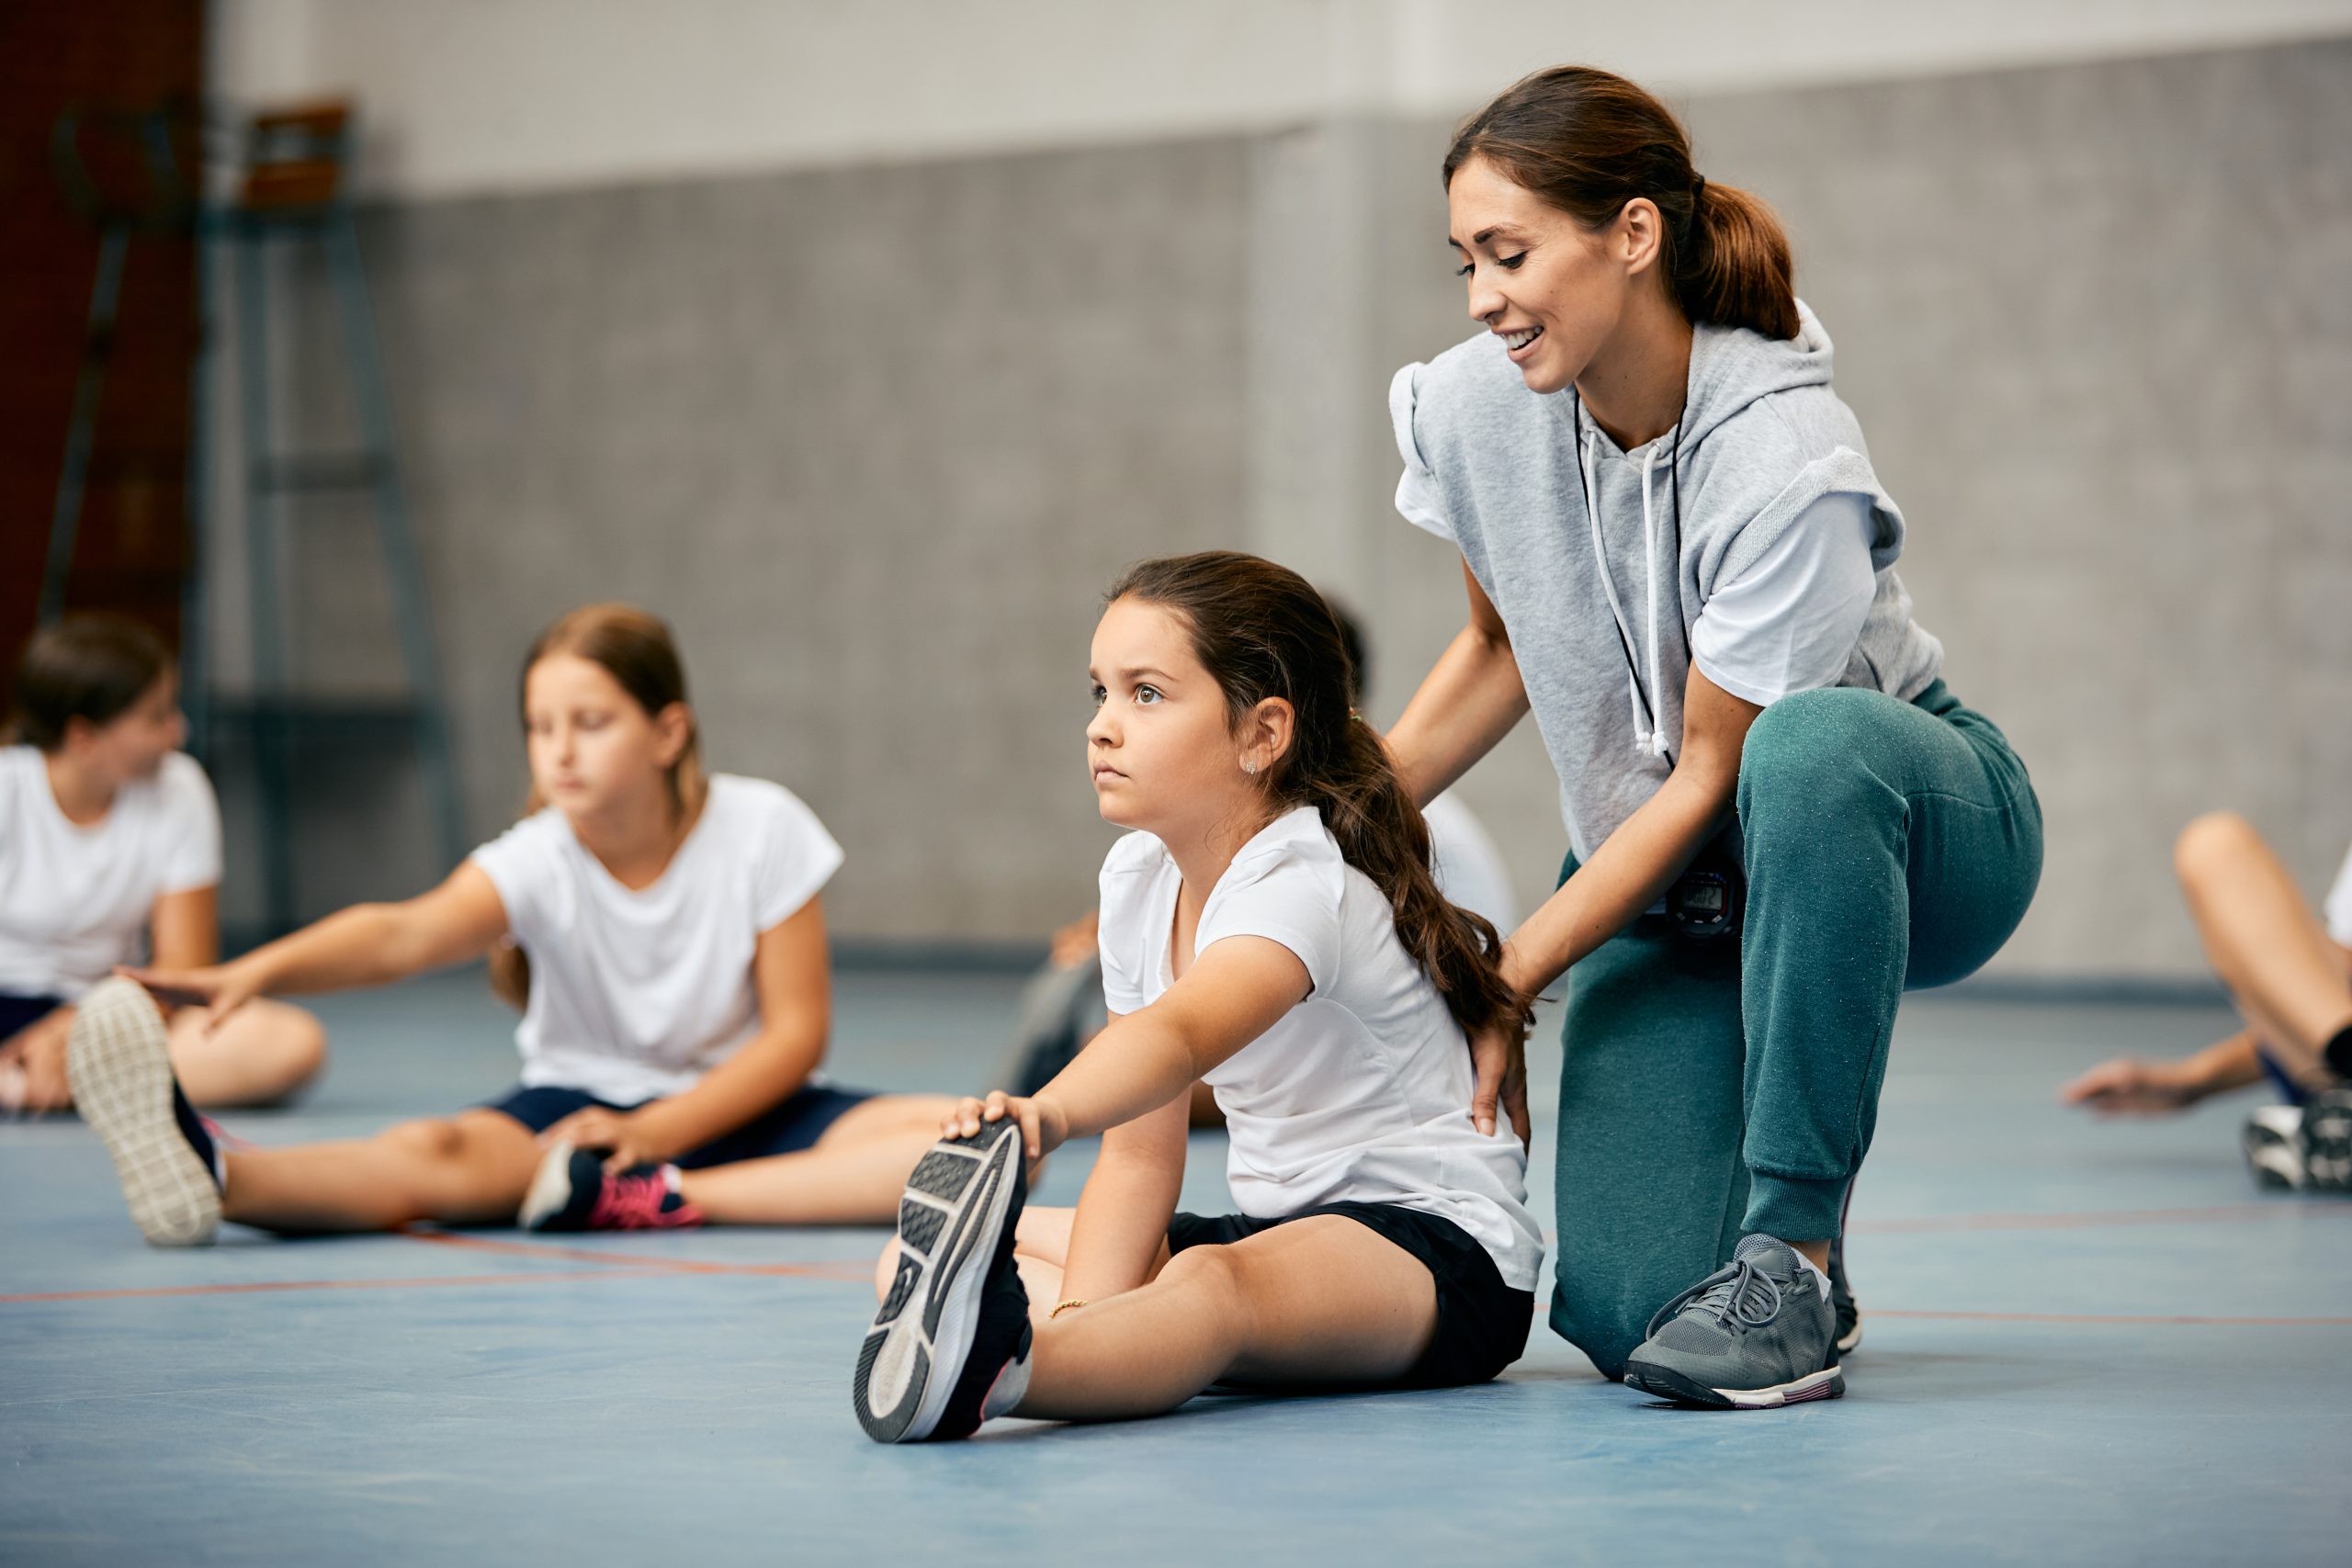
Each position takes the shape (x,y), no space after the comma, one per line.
(623,1134)
(2127,1086)
(222,987)
(1043,1126)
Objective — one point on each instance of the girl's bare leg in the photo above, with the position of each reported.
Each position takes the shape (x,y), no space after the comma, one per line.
(1040,1250)
(264,1052)
(472,1169)
(2288,977)
(851,1175)
(1322,1300)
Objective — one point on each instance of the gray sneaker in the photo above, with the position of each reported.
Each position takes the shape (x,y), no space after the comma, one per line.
(1750,1336)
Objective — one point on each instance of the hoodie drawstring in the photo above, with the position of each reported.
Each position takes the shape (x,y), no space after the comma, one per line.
(1649,558)
(1649,736)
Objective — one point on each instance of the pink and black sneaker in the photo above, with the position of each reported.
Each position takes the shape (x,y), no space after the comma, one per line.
(573,1191)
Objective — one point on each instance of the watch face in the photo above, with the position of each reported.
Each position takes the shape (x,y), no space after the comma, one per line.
(1705,898)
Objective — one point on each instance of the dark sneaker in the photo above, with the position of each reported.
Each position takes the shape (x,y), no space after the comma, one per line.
(2324,1141)
(950,1345)
(120,1072)
(1841,1302)
(1753,1334)
(573,1191)
(2273,1142)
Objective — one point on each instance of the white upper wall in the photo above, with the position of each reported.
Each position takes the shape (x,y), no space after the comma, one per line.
(462,97)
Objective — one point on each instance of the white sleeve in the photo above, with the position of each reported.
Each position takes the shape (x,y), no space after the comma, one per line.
(2339,905)
(798,858)
(192,859)
(1417,493)
(1122,937)
(1287,898)
(1789,621)
(523,864)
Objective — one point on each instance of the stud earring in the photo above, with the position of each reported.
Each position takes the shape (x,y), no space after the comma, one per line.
(1250,767)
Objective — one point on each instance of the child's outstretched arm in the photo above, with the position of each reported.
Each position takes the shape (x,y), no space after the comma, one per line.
(1130,1196)
(367,944)
(1235,990)
(792,976)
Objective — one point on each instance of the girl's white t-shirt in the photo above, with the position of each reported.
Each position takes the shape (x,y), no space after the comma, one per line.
(2339,905)
(1361,1092)
(74,901)
(636,995)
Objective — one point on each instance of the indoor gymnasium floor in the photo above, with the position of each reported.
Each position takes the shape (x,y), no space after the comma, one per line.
(2084,1343)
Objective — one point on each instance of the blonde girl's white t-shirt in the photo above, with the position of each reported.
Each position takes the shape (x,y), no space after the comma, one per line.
(637,995)
(74,901)
(1359,1093)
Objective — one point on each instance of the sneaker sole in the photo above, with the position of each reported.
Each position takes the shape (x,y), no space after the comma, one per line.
(550,1189)
(120,1067)
(1827,1384)
(950,1220)
(2327,1144)
(1851,1339)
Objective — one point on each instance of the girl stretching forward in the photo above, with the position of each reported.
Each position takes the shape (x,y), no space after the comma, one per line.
(1270,927)
(667,929)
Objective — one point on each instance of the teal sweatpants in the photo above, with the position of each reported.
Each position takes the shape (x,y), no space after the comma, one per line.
(1714,1089)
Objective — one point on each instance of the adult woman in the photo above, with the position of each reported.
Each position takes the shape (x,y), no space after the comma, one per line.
(1678,557)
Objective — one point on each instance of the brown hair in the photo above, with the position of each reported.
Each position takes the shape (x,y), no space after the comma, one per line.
(1588,142)
(634,647)
(90,667)
(1263,631)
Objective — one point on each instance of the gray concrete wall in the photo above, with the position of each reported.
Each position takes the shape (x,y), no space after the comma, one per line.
(875,437)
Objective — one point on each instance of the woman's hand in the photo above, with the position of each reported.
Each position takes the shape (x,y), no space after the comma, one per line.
(627,1140)
(1498,1056)
(2127,1086)
(1043,1126)
(222,987)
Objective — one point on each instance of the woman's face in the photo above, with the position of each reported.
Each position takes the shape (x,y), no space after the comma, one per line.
(592,750)
(1553,289)
(133,744)
(1161,753)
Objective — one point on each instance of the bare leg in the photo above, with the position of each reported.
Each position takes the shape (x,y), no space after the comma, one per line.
(2289,979)
(471,1169)
(1323,1300)
(851,1175)
(260,1056)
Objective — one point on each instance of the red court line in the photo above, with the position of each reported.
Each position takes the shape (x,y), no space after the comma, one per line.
(2109,1318)
(258,1287)
(2217,1214)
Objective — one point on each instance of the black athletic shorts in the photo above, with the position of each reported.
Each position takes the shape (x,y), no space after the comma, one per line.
(1481,1322)
(786,1128)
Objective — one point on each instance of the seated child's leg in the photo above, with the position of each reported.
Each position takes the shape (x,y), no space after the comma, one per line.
(1040,1250)
(1322,1300)
(851,1175)
(264,1052)
(2263,942)
(470,1169)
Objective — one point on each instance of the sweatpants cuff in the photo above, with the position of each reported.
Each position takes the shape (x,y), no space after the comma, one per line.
(1793,1208)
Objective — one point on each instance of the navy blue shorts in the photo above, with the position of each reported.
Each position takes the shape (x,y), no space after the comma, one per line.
(22,1012)
(787,1128)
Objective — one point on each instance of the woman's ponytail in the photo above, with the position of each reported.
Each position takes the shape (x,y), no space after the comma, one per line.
(1588,141)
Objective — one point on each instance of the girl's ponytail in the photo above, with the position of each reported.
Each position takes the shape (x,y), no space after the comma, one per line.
(1263,631)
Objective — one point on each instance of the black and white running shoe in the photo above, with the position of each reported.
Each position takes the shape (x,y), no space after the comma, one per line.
(2325,1142)
(2272,1140)
(120,1072)
(950,1345)
(1842,1306)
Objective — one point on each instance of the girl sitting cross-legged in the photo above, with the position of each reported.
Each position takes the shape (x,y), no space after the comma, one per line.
(667,931)
(1272,927)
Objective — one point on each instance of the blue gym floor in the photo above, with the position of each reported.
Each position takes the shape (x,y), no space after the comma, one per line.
(2084,1342)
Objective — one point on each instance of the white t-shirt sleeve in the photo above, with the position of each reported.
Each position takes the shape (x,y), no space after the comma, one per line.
(1417,493)
(1789,621)
(192,814)
(797,857)
(525,865)
(2339,905)
(1289,893)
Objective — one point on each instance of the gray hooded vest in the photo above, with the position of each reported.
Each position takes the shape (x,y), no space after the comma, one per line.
(1494,467)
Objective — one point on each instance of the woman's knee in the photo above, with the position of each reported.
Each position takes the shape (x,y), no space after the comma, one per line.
(2216,845)
(1810,749)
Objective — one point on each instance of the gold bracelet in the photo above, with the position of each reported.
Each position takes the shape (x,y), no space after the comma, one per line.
(1062,1308)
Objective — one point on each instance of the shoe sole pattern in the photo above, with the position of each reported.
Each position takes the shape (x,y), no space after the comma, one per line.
(950,1220)
(1827,1384)
(118,1065)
